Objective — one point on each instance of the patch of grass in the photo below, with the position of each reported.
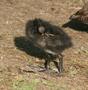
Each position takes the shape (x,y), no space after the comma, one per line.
(34,84)
(17,85)
(24,85)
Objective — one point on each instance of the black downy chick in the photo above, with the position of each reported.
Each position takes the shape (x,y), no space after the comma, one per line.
(50,40)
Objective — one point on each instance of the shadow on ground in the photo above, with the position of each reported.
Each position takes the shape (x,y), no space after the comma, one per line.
(26,46)
(76,25)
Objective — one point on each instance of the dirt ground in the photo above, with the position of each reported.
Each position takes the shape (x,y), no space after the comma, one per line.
(14,15)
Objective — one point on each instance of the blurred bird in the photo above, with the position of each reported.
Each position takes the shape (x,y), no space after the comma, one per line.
(81,15)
